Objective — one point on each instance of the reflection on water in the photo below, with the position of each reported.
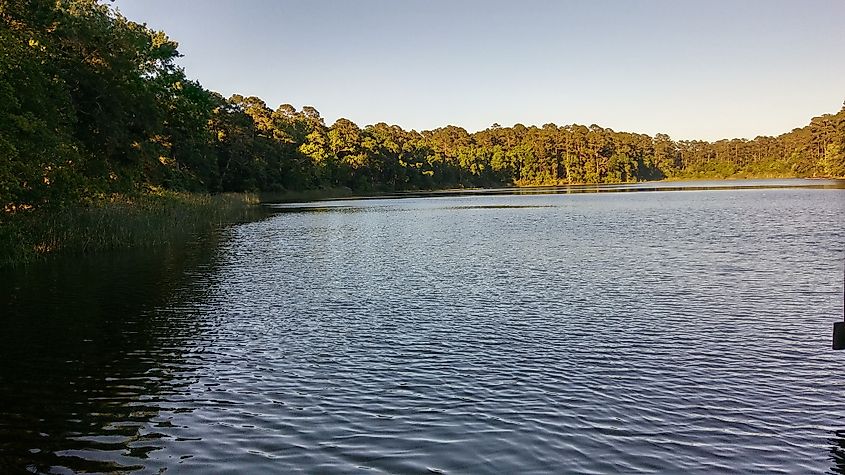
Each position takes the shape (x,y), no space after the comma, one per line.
(87,356)
(838,451)
(587,333)
(342,205)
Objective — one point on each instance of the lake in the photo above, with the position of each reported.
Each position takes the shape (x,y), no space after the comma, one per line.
(672,327)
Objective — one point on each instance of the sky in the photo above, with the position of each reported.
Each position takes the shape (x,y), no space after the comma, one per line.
(691,69)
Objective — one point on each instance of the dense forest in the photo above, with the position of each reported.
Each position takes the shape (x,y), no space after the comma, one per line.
(93,104)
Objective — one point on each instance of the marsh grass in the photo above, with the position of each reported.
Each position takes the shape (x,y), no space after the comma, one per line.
(118,222)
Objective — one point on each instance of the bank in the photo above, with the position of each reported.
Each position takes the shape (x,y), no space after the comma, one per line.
(152,218)
(118,222)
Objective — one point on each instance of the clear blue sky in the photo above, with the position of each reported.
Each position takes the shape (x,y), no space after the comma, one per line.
(693,69)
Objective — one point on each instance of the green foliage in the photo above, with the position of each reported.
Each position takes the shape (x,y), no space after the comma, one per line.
(93,104)
(118,222)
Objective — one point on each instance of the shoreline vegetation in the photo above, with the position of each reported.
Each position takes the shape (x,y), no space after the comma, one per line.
(161,218)
(106,144)
(153,219)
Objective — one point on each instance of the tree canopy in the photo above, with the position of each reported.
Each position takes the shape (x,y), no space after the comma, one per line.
(92,103)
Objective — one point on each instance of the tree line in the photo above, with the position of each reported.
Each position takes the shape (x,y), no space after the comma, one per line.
(92,104)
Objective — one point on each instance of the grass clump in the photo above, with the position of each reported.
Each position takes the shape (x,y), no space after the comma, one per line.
(118,222)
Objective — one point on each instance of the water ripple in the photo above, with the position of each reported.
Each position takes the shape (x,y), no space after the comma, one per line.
(583,333)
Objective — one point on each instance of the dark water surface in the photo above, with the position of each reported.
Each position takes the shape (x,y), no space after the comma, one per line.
(660,331)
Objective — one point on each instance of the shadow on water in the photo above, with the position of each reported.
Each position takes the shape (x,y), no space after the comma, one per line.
(340,205)
(85,358)
(837,452)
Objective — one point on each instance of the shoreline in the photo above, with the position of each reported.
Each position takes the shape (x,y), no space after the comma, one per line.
(118,222)
(347,194)
(163,218)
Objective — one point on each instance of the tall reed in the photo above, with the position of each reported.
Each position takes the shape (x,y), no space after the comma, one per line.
(120,221)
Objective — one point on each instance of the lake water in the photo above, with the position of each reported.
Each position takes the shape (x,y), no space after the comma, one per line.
(653,331)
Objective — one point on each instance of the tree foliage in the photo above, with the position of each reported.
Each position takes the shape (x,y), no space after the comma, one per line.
(92,103)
